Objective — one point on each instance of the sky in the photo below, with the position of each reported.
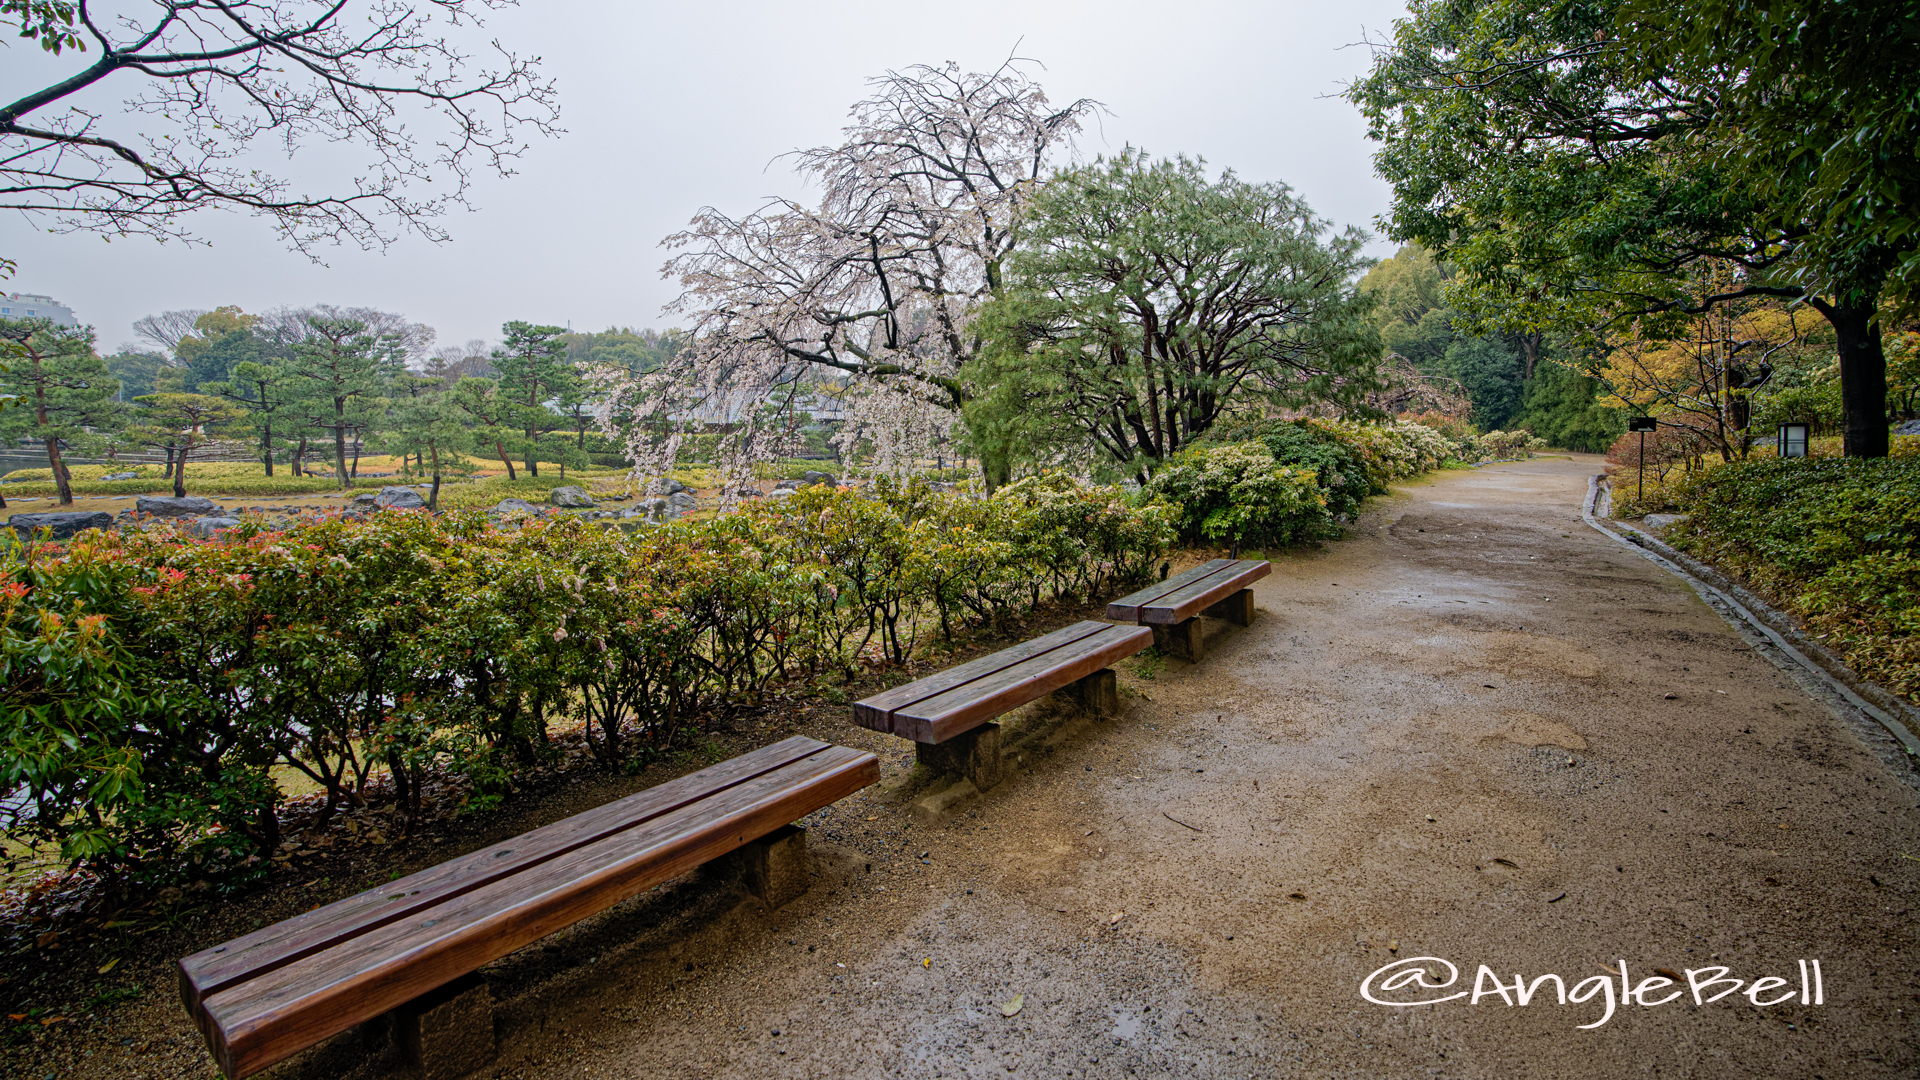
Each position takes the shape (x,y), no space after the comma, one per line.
(672,107)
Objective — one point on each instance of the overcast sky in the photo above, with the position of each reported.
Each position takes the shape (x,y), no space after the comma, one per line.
(669,107)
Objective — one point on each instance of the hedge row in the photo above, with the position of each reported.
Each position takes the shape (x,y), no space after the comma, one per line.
(1835,540)
(151,685)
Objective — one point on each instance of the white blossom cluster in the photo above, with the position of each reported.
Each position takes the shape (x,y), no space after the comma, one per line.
(869,294)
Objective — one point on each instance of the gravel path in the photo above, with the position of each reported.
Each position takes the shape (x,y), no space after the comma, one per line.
(1475,731)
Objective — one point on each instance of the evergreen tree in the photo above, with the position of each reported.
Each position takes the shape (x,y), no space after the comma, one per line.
(337,382)
(534,370)
(66,396)
(181,422)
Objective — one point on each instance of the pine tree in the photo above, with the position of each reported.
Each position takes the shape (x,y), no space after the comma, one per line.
(66,396)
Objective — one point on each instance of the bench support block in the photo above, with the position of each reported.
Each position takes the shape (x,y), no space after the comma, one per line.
(1182,639)
(973,754)
(1098,693)
(1236,609)
(447,1033)
(775,868)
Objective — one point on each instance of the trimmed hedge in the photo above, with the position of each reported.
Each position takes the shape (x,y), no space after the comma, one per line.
(150,683)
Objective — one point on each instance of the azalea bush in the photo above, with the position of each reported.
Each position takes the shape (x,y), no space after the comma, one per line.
(153,686)
(1238,496)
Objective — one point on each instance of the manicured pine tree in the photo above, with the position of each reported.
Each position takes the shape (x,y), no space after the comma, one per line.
(65,396)
(534,370)
(182,421)
(337,381)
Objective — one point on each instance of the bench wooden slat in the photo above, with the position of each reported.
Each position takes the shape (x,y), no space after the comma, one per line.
(1194,595)
(255,1023)
(942,706)
(877,711)
(252,955)
(1127,608)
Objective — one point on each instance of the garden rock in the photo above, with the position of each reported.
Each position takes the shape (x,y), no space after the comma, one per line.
(207,528)
(514,506)
(682,500)
(399,498)
(673,487)
(167,506)
(1661,521)
(1910,427)
(811,477)
(63,523)
(121,476)
(569,496)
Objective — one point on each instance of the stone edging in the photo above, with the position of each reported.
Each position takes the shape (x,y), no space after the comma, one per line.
(1795,649)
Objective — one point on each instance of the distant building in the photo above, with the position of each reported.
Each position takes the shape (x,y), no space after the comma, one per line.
(35,306)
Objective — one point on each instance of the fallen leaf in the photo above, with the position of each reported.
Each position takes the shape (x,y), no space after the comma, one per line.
(1296,896)
(108,966)
(53,1020)
(46,939)
(1668,972)
(16,1016)
(1505,862)
(1557,899)
(1608,970)
(1672,697)
(927,963)
(1394,945)
(1013,1007)
(1117,916)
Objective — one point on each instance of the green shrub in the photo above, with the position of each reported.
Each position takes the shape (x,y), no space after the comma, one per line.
(1835,540)
(1237,495)
(151,684)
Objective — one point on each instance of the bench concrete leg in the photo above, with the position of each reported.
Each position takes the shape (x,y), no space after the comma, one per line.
(1098,693)
(1236,609)
(775,867)
(974,755)
(1182,640)
(449,1032)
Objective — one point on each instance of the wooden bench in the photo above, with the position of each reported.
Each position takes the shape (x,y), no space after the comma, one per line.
(1219,588)
(400,951)
(947,715)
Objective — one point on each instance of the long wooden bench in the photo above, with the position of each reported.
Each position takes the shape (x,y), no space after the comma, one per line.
(947,714)
(386,952)
(1220,588)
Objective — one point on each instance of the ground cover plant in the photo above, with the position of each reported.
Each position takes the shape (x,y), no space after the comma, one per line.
(1834,540)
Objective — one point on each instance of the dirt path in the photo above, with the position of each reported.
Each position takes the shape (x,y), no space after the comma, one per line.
(1475,731)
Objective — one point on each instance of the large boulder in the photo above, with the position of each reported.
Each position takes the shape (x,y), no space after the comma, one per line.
(207,528)
(399,498)
(63,523)
(167,506)
(570,496)
(672,487)
(514,506)
(683,500)
(1909,427)
(811,477)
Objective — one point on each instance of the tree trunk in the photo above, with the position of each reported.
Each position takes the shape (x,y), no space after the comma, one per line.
(1530,348)
(266,445)
(340,443)
(180,470)
(299,451)
(355,473)
(433,497)
(168,475)
(500,449)
(61,477)
(1863,373)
